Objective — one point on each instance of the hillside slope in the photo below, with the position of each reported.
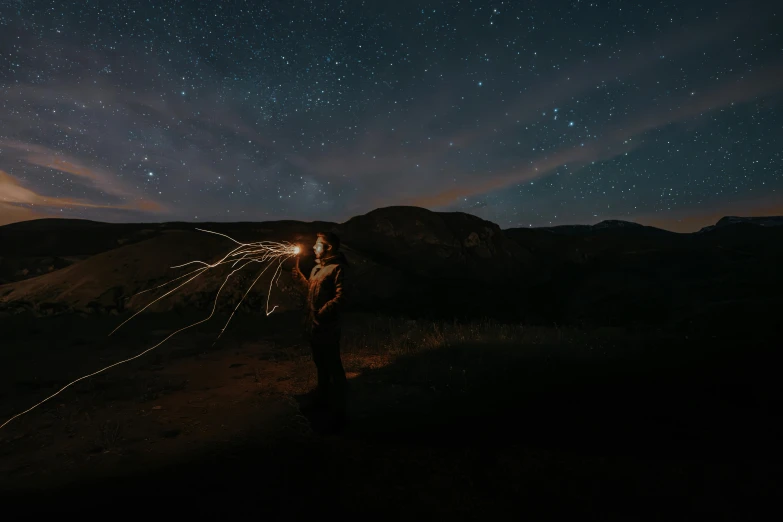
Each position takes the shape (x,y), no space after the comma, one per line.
(402,260)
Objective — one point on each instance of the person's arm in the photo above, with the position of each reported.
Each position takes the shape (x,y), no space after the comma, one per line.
(298,277)
(334,304)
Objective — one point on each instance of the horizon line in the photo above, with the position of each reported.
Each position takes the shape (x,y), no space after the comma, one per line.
(582,224)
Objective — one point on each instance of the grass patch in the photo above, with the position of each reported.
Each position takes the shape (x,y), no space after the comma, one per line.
(399,336)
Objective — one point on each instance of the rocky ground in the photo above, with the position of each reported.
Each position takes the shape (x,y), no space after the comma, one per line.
(468,420)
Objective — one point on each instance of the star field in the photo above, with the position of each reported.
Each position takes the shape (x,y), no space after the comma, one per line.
(525,113)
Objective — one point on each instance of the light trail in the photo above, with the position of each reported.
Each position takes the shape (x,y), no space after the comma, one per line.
(265,252)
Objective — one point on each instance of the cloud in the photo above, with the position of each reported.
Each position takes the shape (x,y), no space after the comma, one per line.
(232,138)
(428,161)
(19,203)
(417,145)
(11,191)
(620,138)
(39,156)
(108,133)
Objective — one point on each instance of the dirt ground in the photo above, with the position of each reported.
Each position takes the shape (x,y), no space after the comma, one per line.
(543,423)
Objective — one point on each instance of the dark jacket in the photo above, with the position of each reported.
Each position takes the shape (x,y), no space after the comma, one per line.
(324,293)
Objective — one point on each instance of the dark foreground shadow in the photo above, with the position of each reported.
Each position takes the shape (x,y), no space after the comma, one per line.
(674,432)
(681,400)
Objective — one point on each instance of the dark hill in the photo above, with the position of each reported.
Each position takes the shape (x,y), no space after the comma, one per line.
(411,261)
(723,277)
(403,260)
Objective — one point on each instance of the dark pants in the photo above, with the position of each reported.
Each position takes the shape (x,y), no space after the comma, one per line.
(332,381)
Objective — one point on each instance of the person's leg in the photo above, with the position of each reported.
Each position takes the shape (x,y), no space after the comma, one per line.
(337,374)
(320,358)
(339,371)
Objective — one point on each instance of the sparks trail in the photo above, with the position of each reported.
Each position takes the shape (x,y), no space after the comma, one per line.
(264,252)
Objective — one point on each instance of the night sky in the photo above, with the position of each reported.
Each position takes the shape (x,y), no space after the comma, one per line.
(531,113)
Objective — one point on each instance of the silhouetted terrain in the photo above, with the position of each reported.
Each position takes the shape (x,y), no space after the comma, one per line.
(418,263)
(723,280)
(602,372)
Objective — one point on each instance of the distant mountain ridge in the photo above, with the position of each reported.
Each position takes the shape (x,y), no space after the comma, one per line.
(606,225)
(412,261)
(60,223)
(764,221)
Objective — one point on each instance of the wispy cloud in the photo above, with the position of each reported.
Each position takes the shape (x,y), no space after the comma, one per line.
(621,138)
(33,155)
(417,145)
(18,201)
(170,134)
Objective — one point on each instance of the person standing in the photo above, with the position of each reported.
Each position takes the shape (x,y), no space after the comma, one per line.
(325,294)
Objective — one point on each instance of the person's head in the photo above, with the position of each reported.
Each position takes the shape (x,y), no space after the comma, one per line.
(326,244)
